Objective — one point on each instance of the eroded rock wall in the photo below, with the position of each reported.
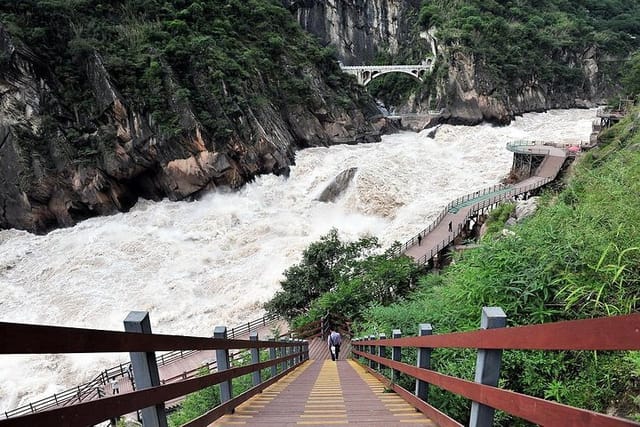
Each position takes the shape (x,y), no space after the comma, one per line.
(358,29)
(59,165)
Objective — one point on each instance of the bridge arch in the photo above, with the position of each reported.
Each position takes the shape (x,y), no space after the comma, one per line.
(365,74)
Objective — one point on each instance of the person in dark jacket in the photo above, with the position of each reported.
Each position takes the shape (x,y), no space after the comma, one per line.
(334,340)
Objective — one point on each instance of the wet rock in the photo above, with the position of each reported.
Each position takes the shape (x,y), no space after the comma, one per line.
(339,184)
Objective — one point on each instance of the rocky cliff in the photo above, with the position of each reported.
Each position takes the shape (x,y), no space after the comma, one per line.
(466,84)
(361,29)
(63,161)
(470,94)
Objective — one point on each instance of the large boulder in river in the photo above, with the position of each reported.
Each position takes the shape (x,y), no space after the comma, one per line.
(338,185)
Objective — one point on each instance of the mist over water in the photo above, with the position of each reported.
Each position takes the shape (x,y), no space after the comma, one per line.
(195,265)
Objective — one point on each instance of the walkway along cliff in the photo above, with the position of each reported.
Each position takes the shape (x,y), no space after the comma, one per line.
(457,217)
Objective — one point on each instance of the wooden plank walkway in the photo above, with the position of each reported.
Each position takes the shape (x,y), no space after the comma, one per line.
(326,393)
(455,219)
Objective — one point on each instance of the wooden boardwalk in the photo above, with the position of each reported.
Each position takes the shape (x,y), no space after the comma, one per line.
(454,220)
(326,393)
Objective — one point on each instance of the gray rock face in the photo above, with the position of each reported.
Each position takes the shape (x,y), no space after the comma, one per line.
(473,97)
(339,184)
(526,208)
(59,166)
(359,29)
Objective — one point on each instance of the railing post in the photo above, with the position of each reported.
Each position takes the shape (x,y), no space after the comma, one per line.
(396,355)
(256,377)
(382,351)
(373,365)
(272,355)
(145,368)
(423,361)
(222,361)
(283,352)
(487,367)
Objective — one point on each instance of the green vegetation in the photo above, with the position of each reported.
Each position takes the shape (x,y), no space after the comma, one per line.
(499,216)
(202,401)
(578,257)
(631,78)
(196,404)
(214,57)
(344,276)
(516,42)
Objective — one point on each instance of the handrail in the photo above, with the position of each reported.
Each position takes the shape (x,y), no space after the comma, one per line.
(38,339)
(500,192)
(87,390)
(602,334)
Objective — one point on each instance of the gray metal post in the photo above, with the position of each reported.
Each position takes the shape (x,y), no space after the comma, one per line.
(256,377)
(145,368)
(283,352)
(272,355)
(222,361)
(287,352)
(423,361)
(396,355)
(487,367)
(382,351)
(306,350)
(373,365)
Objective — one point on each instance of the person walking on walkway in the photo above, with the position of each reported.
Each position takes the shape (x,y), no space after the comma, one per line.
(419,239)
(334,342)
(115,387)
(450,226)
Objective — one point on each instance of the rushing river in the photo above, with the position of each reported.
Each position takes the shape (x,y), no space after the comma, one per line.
(195,265)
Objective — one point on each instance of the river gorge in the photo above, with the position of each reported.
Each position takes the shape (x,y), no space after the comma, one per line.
(215,261)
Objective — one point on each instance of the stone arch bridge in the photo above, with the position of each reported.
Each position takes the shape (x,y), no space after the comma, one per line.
(366,73)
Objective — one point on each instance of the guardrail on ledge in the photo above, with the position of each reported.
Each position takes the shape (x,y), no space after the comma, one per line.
(92,389)
(606,334)
(141,344)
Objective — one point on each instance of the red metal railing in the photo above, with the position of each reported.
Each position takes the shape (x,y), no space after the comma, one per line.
(39,339)
(93,389)
(609,333)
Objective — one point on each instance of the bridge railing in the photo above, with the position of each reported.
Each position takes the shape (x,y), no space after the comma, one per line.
(606,334)
(526,147)
(95,388)
(477,207)
(451,205)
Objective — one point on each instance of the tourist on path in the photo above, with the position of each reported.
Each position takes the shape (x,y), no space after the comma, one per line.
(450,226)
(115,387)
(334,342)
(419,239)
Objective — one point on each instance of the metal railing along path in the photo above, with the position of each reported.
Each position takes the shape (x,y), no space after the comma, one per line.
(482,199)
(617,333)
(94,388)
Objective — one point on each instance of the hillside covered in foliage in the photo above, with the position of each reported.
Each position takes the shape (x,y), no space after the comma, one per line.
(104,102)
(499,58)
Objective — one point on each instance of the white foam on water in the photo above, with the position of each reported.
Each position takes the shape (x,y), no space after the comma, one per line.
(195,265)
